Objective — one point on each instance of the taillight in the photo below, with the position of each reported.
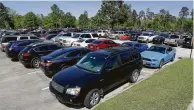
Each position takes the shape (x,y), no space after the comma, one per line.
(25,54)
(97,47)
(3,46)
(78,44)
(48,63)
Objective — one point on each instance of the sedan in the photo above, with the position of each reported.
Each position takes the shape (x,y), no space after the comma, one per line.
(158,55)
(102,44)
(141,47)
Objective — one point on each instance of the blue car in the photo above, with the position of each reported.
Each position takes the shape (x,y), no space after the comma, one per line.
(13,48)
(141,47)
(158,55)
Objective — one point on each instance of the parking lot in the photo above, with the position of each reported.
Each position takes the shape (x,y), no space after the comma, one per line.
(23,88)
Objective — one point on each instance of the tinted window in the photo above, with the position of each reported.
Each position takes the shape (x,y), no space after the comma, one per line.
(95,35)
(74,54)
(96,42)
(157,49)
(84,52)
(8,39)
(126,44)
(89,40)
(174,36)
(53,47)
(124,57)
(112,63)
(137,45)
(42,48)
(76,36)
(21,38)
(34,38)
(145,34)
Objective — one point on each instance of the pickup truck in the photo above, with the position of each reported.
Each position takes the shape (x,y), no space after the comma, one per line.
(175,40)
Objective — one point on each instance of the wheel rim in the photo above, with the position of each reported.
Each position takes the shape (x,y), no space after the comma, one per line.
(94,98)
(36,63)
(135,76)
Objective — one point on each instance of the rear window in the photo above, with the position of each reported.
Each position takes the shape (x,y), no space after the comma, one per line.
(21,38)
(95,35)
(124,57)
(57,53)
(80,40)
(8,39)
(96,42)
(174,36)
(27,48)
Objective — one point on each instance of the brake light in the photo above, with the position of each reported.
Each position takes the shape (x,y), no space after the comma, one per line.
(25,54)
(78,44)
(48,63)
(3,46)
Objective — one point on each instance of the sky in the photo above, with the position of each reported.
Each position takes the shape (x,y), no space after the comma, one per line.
(78,7)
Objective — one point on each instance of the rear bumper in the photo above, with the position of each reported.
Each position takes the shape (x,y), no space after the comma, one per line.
(47,71)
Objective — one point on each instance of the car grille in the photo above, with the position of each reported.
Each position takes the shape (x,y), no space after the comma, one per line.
(146,59)
(140,38)
(57,87)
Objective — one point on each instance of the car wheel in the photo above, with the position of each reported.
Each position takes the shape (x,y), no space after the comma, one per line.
(173,58)
(161,63)
(92,98)
(134,76)
(36,63)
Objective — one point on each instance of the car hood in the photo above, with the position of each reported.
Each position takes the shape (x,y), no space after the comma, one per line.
(152,55)
(74,76)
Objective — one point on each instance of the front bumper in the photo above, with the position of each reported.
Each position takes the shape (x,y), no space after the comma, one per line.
(150,63)
(65,98)
(12,54)
(66,44)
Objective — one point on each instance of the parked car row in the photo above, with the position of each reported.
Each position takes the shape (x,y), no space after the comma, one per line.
(85,67)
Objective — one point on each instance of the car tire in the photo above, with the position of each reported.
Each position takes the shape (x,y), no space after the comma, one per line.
(173,58)
(161,63)
(134,76)
(35,63)
(92,98)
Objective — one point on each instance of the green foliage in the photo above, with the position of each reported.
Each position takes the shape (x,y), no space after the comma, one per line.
(84,20)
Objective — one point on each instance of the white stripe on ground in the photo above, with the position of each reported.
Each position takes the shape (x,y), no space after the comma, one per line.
(34,72)
(45,88)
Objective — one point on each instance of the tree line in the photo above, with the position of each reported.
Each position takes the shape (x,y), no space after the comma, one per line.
(112,14)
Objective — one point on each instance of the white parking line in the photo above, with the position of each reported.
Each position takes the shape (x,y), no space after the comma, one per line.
(45,88)
(34,72)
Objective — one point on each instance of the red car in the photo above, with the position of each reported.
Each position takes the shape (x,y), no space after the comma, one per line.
(125,37)
(101,44)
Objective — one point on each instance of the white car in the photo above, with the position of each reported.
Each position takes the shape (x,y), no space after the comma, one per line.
(83,42)
(68,41)
(60,37)
(116,34)
(146,37)
(103,33)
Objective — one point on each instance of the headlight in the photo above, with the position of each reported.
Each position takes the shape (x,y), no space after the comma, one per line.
(73,91)
(154,60)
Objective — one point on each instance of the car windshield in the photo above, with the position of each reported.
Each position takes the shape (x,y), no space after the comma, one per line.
(157,49)
(126,44)
(145,34)
(76,36)
(92,63)
(174,36)
(96,42)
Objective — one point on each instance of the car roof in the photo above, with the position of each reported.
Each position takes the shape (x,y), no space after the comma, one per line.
(114,50)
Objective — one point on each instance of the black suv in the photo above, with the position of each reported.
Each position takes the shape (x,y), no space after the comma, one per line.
(30,55)
(61,59)
(96,73)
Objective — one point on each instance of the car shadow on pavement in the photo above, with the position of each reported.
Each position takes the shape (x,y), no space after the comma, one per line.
(74,106)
